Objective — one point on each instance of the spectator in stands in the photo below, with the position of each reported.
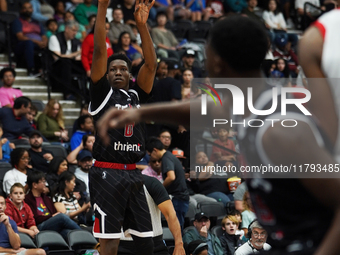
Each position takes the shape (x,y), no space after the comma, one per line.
(223,140)
(86,126)
(92,21)
(64,200)
(165,137)
(163,38)
(248,214)
(29,37)
(6,148)
(188,59)
(85,162)
(250,11)
(117,27)
(238,216)
(173,176)
(154,169)
(216,8)
(14,122)
(45,214)
(87,144)
(52,27)
(257,240)
(87,48)
(42,11)
(230,241)
(276,23)
(31,115)
(9,238)
(198,9)
(19,161)
(81,33)
(68,63)
(236,5)
(128,8)
(20,212)
(84,110)
(238,196)
(59,8)
(58,165)
(283,68)
(197,247)
(7,93)
(201,232)
(51,122)
(3,5)
(83,11)
(189,91)
(40,158)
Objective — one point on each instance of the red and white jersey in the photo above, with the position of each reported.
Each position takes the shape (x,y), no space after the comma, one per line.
(328,25)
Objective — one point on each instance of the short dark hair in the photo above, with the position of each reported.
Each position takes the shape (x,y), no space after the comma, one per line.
(153,143)
(34,177)
(51,21)
(19,101)
(5,70)
(22,3)
(121,57)
(81,120)
(229,38)
(16,155)
(163,131)
(161,14)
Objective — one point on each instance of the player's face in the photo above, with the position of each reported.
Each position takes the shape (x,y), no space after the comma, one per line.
(118,74)
(258,237)
(201,158)
(230,227)
(17,195)
(8,79)
(62,167)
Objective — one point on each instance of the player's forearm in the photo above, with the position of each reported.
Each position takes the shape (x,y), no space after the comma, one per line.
(175,228)
(147,47)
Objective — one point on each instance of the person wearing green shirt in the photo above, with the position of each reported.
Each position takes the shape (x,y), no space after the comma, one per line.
(85,10)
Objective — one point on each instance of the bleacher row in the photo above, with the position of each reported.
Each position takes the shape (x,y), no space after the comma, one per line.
(53,243)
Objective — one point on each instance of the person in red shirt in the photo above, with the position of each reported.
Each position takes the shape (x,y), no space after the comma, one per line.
(88,47)
(219,153)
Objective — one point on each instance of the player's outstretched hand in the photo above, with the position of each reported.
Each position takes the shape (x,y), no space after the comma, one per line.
(113,119)
(142,9)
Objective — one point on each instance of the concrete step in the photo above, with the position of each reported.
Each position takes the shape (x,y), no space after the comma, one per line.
(69,120)
(20,80)
(32,88)
(43,95)
(74,112)
(3,57)
(21,72)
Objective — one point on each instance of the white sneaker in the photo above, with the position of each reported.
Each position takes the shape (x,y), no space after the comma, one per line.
(290,24)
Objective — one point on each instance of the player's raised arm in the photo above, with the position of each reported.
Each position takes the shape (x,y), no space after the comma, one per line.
(99,61)
(147,72)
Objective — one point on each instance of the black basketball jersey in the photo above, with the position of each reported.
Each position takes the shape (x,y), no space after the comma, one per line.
(284,207)
(127,145)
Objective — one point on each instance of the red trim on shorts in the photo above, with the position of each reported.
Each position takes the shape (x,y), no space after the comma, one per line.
(115,165)
(321,28)
(96,226)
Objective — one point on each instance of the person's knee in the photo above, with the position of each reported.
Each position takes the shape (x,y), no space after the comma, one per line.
(144,245)
(108,246)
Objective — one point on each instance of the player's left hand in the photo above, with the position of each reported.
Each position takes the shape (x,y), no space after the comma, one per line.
(142,9)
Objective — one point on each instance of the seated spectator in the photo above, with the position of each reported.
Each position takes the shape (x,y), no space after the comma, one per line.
(85,162)
(250,11)
(7,93)
(40,158)
(165,137)
(283,69)
(276,23)
(31,115)
(64,200)
(236,5)
(59,13)
(198,8)
(230,241)
(92,21)
(51,122)
(14,122)
(58,165)
(163,38)
(257,240)
(20,212)
(86,126)
(67,53)
(19,161)
(201,232)
(248,214)
(87,48)
(197,247)
(238,196)
(238,216)
(84,110)
(154,169)
(6,148)
(81,33)
(9,238)
(188,59)
(29,37)
(223,140)
(42,11)
(86,144)
(189,91)
(83,11)
(132,51)
(128,8)
(174,9)
(117,27)
(52,28)
(45,214)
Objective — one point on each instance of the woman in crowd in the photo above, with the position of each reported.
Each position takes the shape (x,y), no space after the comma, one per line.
(64,199)
(58,165)
(87,144)
(59,14)
(187,90)
(51,122)
(42,11)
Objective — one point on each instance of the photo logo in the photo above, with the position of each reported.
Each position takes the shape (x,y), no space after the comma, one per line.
(209,93)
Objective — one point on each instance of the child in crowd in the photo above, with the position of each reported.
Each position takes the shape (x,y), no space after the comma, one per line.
(20,212)
(230,241)
(31,115)
(52,27)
